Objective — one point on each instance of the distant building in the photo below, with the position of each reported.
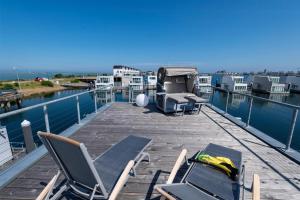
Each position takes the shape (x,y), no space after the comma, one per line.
(268,84)
(203,84)
(104,82)
(120,71)
(136,83)
(233,83)
(150,80)
(293,82)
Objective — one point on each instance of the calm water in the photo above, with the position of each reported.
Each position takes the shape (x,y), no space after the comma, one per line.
(272,119)
(61,114)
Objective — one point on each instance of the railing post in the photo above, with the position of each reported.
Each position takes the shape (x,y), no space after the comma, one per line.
(249,111)
(212,96)
(46,118)
(78,109)
(105,96)
(95,101)
(27,133)
(293,124)
(227,99)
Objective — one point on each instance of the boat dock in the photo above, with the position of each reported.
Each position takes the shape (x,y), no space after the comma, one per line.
(280,177)
(10,97)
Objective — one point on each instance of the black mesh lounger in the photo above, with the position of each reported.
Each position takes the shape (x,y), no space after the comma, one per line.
(213,180)
(203,181)
(186,191)
(100,178)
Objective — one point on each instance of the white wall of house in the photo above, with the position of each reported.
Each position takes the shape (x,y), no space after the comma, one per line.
(234,83)
(151,80)
(125,71)
(269,84)
(203,84)
(136,83)
(104,81)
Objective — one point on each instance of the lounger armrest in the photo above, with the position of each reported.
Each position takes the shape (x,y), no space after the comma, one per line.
(256,187)
(163,193)
(48,188)
(177,165)
(122,180)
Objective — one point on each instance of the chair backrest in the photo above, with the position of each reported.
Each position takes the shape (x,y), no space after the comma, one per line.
(73,158)
(175,84)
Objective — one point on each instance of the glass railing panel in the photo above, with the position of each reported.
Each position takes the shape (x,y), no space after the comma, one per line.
(62,115)
(219,99)
(272,119)
(238,106)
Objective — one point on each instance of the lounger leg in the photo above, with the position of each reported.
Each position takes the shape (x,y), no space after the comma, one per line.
(94,191)
(199,109)
(243,173)
(59,192)
(142,157)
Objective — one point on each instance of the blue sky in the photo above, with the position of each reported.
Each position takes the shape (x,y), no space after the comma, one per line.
(94,35)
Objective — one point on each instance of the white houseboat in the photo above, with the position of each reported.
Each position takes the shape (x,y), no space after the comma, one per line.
(150,81)
(293,83)
(104,82)
(136,83)
(203,84)
(123,76)
(268,84)
(234,83)
(135,87)
(120,70)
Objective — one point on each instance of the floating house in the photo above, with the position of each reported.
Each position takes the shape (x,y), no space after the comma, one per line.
(120,71)
(268,84)
(234,83)
(136,83)
(104,82)
(135,87)
(203,84)
(123,76)
(150,81)
(293,83)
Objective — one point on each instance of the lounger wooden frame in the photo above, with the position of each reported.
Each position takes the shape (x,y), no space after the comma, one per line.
(182,158)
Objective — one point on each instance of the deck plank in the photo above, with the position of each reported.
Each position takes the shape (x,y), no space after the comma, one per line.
(280,177)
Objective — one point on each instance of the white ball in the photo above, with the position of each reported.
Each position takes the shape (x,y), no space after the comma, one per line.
(142,100)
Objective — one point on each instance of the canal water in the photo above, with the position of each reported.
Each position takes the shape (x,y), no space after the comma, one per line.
(62,114)
(273,119)
(270,118)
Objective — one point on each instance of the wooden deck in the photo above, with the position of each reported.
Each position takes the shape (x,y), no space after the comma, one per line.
(280,177)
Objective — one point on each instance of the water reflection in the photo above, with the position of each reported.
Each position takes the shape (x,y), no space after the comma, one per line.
(268,117)
(236,100)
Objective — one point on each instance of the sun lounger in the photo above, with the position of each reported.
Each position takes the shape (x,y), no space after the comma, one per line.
(103,177)
(203,181)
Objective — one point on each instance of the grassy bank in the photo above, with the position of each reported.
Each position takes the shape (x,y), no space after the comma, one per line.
(28,88)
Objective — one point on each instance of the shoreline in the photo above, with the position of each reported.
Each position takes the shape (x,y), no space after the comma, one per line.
(40,90)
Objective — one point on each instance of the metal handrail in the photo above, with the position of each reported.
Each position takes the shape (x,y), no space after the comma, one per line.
(294,107)
(3,115)
(259,98)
